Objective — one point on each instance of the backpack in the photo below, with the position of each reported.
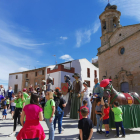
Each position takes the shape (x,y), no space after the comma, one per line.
(58,110)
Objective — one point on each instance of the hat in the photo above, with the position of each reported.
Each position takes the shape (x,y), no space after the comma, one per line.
(76,75)
(44,81)
(85,83)
(50,78)
(67,76)
(24,89)
(104,82)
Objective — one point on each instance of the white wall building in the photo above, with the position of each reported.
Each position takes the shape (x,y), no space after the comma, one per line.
(15,81)
(86,70)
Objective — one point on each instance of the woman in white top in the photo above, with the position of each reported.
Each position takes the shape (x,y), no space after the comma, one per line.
(86,97)
(13,105)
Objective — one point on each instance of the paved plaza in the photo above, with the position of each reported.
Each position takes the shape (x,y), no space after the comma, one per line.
(70,131)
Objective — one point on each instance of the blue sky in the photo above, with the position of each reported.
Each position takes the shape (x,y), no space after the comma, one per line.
(32,31)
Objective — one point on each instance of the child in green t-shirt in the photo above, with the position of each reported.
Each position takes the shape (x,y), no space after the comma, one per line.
(118,118)
(7,102)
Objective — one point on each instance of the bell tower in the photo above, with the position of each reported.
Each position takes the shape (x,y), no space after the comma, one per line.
(110,21)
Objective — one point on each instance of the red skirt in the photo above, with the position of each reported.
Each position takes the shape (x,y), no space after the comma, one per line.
(31,129)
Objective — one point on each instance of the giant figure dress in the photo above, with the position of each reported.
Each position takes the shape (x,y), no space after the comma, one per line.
(75,100)
(67,98)
(87,98)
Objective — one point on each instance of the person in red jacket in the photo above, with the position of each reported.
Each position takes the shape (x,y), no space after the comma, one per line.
(105,116)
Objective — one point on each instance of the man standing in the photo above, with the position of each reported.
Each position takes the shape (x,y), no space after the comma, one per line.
(10,92)
(97,94)
(76,95)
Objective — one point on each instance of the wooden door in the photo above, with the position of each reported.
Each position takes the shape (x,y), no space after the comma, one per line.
(16,89)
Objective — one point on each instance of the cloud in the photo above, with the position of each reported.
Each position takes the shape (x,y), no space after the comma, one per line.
(64,37)
(12,61)
(66,57)
(10,36)
(83,36)
(95,59)
(22,69)
(127,7)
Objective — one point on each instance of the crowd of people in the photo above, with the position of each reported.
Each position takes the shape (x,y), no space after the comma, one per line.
(31,106)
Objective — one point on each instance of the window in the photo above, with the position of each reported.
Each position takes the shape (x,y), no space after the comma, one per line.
(26,84)
(16,76)
(95,73)
(53,81)
(35,74)
(88,72)
(121,50)
(88,82)
(26,75)
(42,72)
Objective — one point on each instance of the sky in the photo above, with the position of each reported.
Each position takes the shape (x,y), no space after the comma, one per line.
(33,31)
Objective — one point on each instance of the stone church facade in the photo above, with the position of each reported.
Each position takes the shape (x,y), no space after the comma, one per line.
(119,54)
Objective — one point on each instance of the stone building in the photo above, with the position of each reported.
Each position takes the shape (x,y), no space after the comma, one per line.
(119,54)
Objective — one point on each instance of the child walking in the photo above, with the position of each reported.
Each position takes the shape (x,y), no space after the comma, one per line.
(98,112)
(105,116)
(85,126)
(13,105)
(118,119)
(4,113)
(8,103)
(84,106)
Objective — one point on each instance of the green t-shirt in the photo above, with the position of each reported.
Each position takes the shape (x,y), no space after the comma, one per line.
(26,103)
(7,101)
(117,113)
(19,103)
(48,109)
(25,95)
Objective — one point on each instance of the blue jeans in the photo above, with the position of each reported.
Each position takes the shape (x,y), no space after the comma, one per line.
(32,139)
(51,128)
(119,124)
(99,122)
(59,117)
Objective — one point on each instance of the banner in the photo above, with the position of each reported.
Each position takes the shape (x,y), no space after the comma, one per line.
(64,88)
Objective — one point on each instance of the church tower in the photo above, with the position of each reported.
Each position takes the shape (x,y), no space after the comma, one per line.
(110,21)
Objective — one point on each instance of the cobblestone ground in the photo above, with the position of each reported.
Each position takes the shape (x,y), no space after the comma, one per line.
(70,131)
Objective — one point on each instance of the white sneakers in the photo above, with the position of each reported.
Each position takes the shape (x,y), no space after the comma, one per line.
(12,134)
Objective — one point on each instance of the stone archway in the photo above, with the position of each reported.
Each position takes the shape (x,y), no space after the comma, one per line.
(124,87)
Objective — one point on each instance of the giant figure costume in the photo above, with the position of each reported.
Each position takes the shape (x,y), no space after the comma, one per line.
(2,89)
(67,97)
(76,95)
(50,83)
(99,91)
